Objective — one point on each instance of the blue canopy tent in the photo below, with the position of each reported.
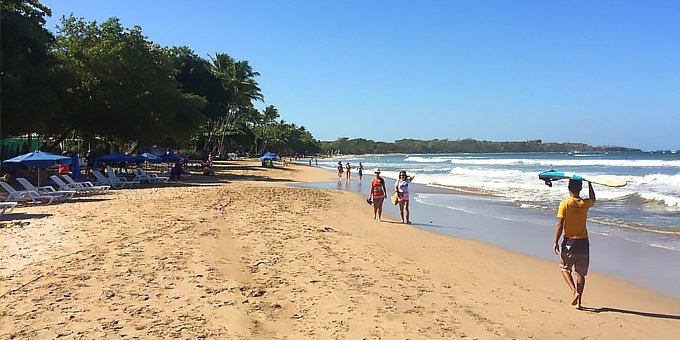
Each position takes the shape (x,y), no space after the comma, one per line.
(268,159)
(147,157)
(269,156)
(37,159)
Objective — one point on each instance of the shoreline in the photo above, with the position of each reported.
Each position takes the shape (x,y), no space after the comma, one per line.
(244,255)
(527,232)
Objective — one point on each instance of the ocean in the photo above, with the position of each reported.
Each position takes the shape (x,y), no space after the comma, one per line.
(647,210)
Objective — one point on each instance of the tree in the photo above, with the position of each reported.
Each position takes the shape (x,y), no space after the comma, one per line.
(124,85)
(238,80)
(29,81)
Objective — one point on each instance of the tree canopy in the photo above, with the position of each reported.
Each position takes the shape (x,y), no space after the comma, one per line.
(106,83)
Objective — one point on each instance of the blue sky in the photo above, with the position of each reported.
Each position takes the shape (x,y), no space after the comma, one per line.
(599,72)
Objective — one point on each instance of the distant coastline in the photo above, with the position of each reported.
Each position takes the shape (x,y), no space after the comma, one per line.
(366,146)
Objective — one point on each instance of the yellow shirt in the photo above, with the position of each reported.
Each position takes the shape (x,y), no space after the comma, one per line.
(574,211)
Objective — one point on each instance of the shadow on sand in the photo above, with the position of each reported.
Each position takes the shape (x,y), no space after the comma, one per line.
(21,216)
(632,312)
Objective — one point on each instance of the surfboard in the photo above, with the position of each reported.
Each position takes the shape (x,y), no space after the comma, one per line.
(552,175)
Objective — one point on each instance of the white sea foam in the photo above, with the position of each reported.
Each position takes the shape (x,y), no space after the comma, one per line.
(670,201)
(564,162)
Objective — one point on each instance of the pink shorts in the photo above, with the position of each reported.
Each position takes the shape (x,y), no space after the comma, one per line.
(403,197)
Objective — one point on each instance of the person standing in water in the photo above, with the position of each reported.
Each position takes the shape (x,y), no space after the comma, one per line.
(349,168)
(575,250)
(340,170)
(377,195)
(401,188)
(361,171)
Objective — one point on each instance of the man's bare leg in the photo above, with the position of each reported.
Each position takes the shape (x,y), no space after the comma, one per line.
(572,286)
(580,285)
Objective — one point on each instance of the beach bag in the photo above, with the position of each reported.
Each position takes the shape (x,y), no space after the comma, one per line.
(395,198)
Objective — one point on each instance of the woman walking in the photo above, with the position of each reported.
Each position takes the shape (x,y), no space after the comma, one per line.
(349,169)
(377,195)
(361,171)
(340,170)
(401,188)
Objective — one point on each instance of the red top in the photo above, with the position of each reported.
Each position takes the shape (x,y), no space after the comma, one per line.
(63,169)
(377,188)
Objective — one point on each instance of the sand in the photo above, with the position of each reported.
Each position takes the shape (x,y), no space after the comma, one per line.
(243,255)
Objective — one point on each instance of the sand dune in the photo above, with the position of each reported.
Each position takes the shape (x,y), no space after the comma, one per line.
(243,255)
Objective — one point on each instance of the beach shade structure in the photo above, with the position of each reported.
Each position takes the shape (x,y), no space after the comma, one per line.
(75,165)
(269,156)
(171,158)
(37,159)
(117,158)
(147,157)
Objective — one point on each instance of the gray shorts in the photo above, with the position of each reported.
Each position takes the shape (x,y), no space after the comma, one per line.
(575,253)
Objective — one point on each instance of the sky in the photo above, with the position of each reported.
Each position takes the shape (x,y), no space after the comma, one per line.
(597,72)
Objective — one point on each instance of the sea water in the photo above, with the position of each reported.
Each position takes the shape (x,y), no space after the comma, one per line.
(647,210)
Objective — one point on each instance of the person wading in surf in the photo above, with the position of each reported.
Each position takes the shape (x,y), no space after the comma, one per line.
(575,250)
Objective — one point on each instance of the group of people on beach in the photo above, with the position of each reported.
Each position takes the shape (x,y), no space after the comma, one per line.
(346,171)
(378,191)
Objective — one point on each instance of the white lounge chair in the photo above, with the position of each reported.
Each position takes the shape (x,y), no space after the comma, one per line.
(85,187)
(7,207)
(25,195)
(142,175)
(77,188)
(103,180)
(60,195)
(113,178)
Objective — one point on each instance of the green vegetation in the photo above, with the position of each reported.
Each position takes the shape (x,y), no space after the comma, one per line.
(106,87)
(411,146)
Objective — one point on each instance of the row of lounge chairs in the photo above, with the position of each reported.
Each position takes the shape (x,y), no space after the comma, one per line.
(68,187)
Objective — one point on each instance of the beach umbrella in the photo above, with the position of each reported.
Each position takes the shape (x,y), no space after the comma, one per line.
(75,165)
(117,158)
(147,157)
(37,159)
(171,158)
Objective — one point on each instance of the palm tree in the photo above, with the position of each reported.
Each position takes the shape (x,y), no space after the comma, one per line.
(269,115)
(238,80)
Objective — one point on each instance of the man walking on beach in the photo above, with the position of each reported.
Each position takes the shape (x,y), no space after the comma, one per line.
(575,250)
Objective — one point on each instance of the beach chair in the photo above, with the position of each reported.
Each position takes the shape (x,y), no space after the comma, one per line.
(7,207)
(103,180)
(85,187)
(113,178)
(25,195)
(79,189)
(60,195)
(142,175)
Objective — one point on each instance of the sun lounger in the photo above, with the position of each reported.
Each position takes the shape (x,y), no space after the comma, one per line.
(79,189)
(142,175)
(84,186)
(7,207)
(103,180)
(113,178)
(60,195)
(25,195)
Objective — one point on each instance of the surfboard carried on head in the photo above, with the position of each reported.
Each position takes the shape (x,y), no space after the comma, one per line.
(611,181)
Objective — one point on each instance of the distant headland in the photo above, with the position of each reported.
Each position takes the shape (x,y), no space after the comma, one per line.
(367,146)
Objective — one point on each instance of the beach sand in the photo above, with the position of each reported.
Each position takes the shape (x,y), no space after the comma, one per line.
(243,255)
